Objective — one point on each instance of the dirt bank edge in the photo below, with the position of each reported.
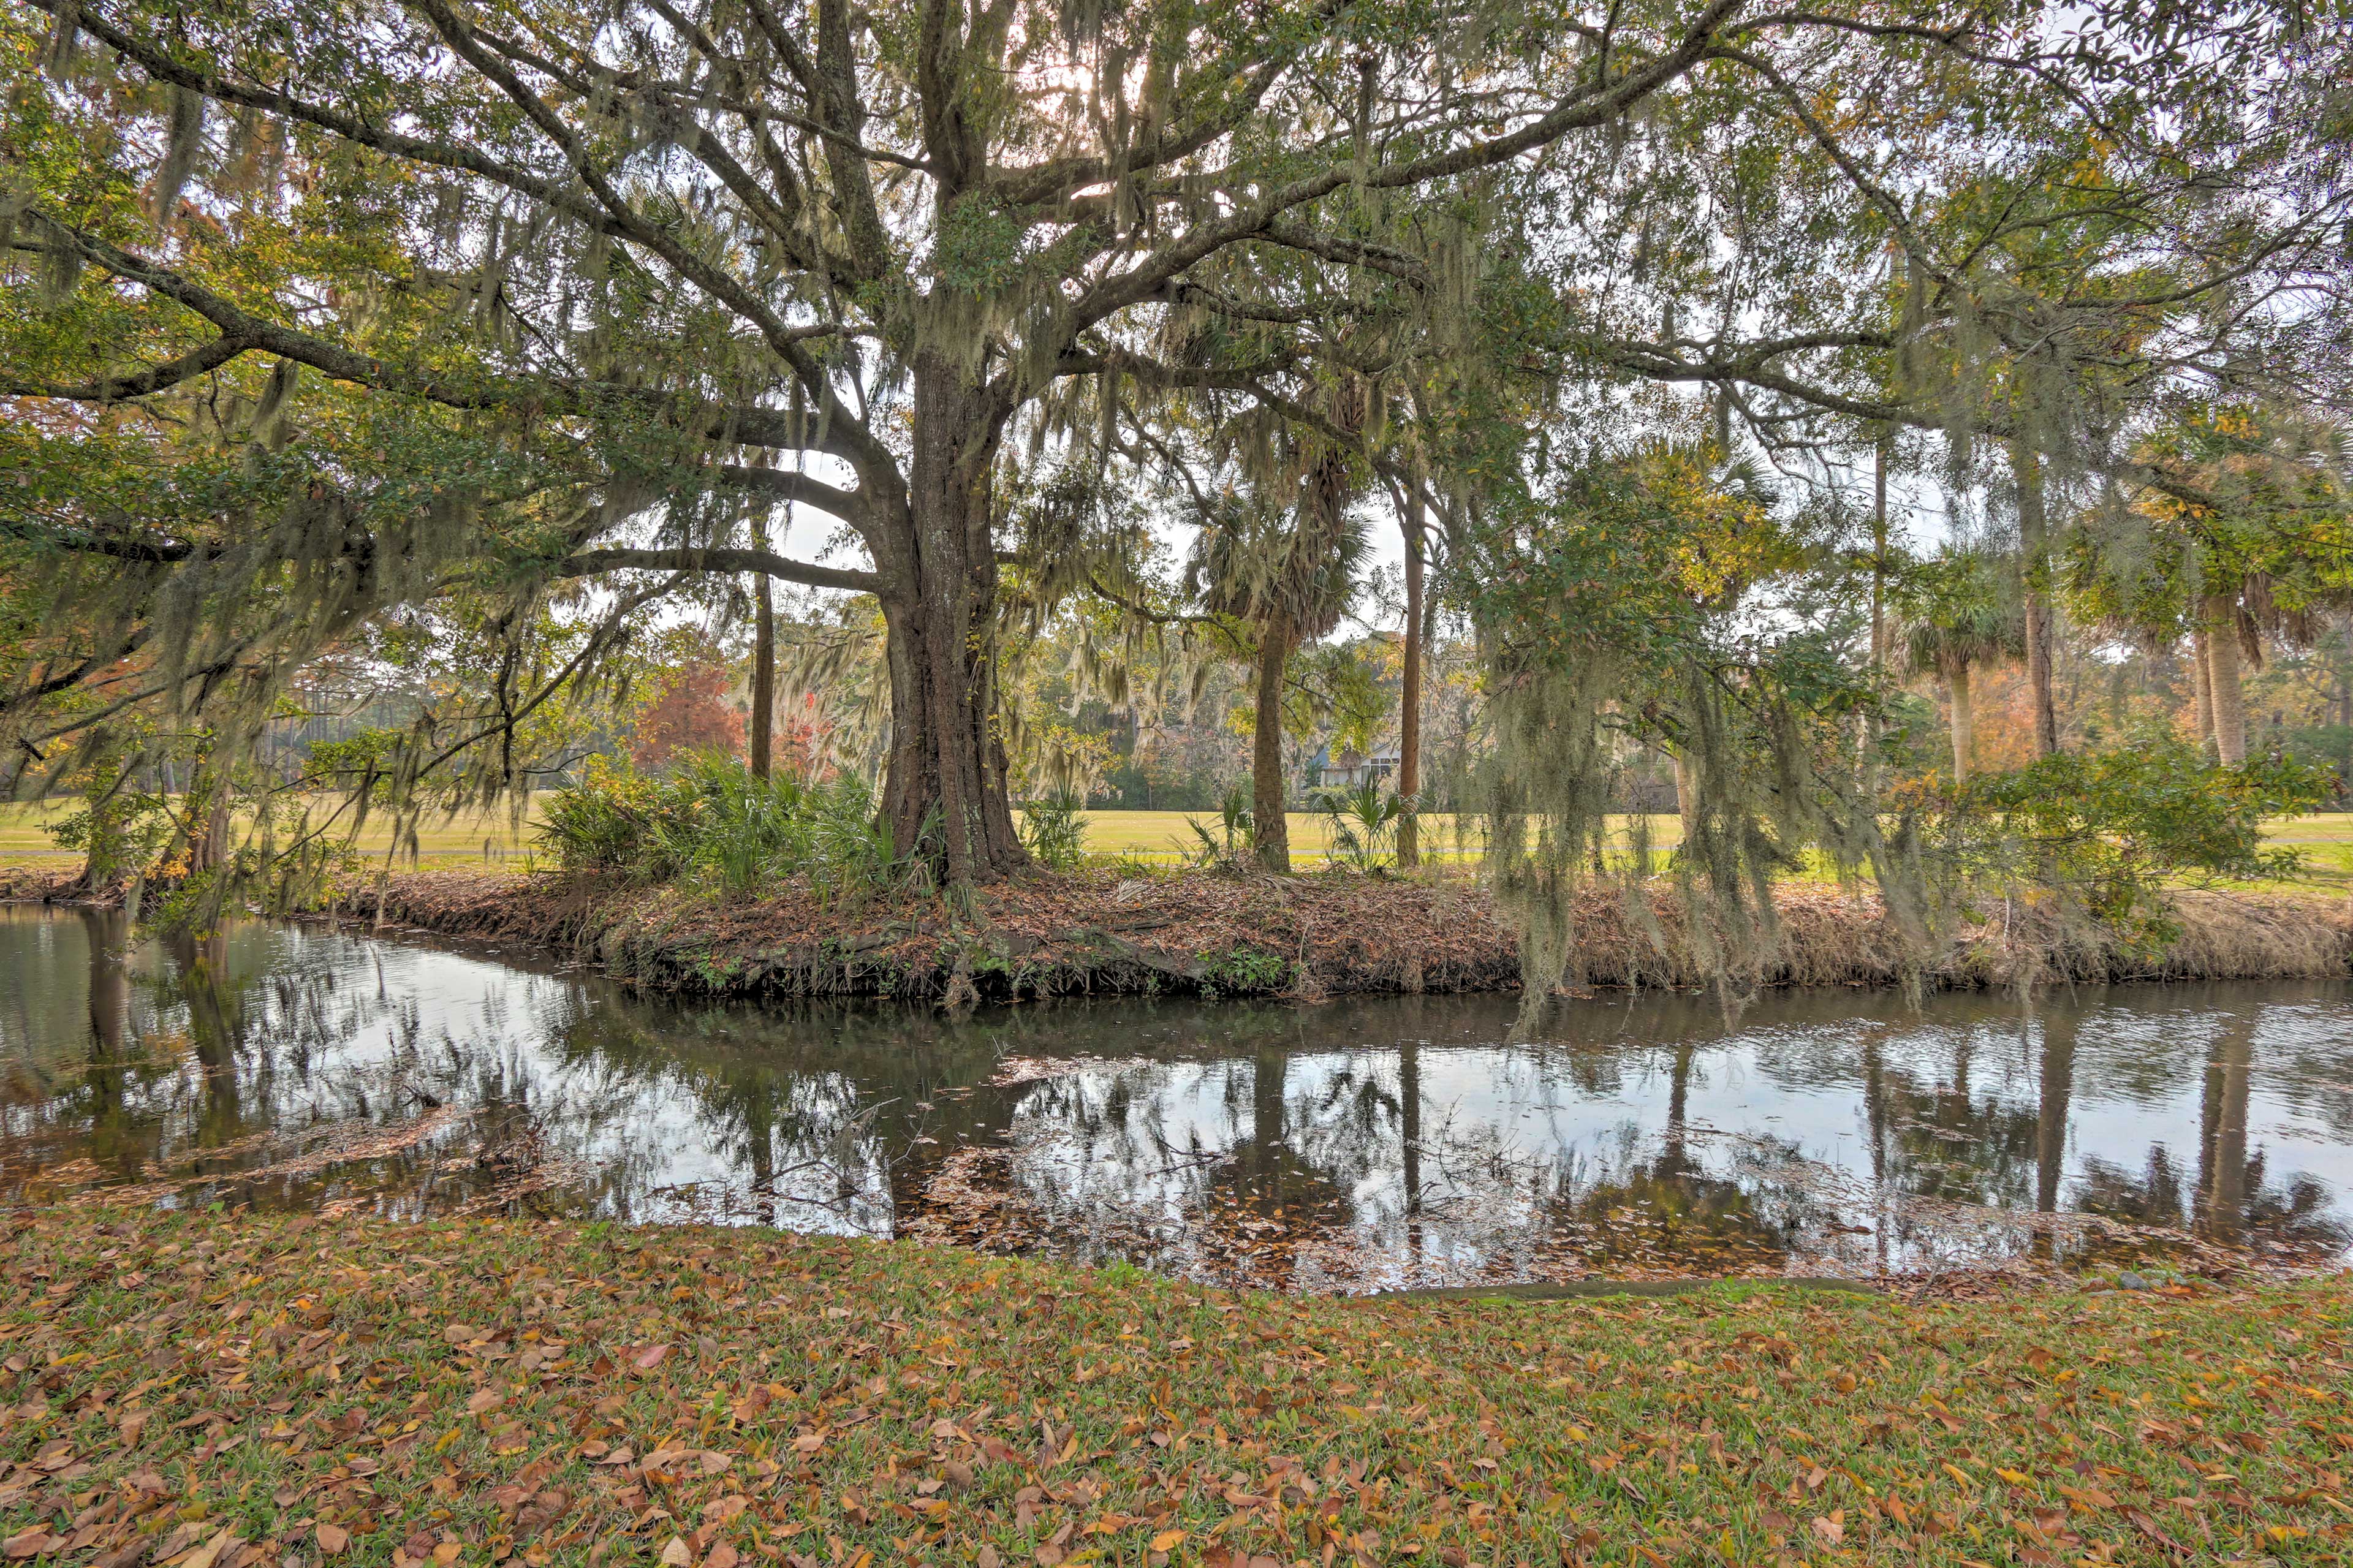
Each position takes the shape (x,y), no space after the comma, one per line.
(1315,935)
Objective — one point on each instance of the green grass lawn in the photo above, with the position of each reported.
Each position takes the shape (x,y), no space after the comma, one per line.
(492,838)
(221,1391)
(1158,835)
(472,839)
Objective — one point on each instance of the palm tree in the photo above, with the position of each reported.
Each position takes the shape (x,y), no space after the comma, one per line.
(1959,620)
(1290,582)
(2267,553)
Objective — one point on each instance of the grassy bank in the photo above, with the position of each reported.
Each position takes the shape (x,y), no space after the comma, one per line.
(233,1391)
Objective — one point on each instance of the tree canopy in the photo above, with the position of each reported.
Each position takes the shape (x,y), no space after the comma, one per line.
(333,324)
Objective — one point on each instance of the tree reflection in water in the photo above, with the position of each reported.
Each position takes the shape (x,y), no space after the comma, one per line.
(1348,1145)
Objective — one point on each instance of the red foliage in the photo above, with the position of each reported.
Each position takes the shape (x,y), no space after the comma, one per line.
(688,712)
(803,741)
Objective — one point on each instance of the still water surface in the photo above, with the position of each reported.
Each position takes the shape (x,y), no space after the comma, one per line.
(1349,1145)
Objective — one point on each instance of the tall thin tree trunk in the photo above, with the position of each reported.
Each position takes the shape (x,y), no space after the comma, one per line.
(1408,833)
(1964,724)
(1875,1119)
(1674,1157)
(1879,557)
(2222,1125)
(2201,686)
(2222,679)
(2033,534)
(2345,717)
(1686,790)
(1867,723)
(1409,1141)
(1269,828)
(763,669)
(1269,1066)
(2057,1078)
(2056,1087)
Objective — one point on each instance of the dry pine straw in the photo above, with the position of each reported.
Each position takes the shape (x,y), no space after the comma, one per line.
(1318,934)
(209,1391)
(1326,933)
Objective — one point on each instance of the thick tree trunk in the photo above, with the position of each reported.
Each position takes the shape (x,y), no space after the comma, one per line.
(1964,724)
(2223,681)
(206,808)
(213,1031)
(944,788)
(216,837)
(108,933)
(1270,830)
(1408,782)
(763,669)
(2026,467)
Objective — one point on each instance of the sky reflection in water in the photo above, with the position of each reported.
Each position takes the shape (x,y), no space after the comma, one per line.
(1349,1145)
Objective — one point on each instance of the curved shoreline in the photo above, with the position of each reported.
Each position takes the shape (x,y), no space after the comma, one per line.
(1307,936)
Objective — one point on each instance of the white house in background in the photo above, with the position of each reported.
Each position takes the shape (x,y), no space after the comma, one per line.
(1349,767)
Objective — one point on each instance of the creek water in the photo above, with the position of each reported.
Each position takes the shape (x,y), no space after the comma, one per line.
(1351,1145)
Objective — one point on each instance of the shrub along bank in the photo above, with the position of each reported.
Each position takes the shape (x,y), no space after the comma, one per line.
(206,1391)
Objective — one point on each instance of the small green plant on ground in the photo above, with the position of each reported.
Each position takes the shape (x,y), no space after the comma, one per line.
(1225,844)
(1364,825)
(1246,969)
(1054,830)
(715,823)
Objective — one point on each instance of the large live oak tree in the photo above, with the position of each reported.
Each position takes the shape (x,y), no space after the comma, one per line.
(849,259)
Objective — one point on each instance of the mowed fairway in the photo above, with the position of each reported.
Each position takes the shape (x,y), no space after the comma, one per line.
(1156,838)
(469,838)
(493,837)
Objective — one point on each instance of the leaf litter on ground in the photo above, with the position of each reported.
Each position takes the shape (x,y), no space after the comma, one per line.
(204,1390)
